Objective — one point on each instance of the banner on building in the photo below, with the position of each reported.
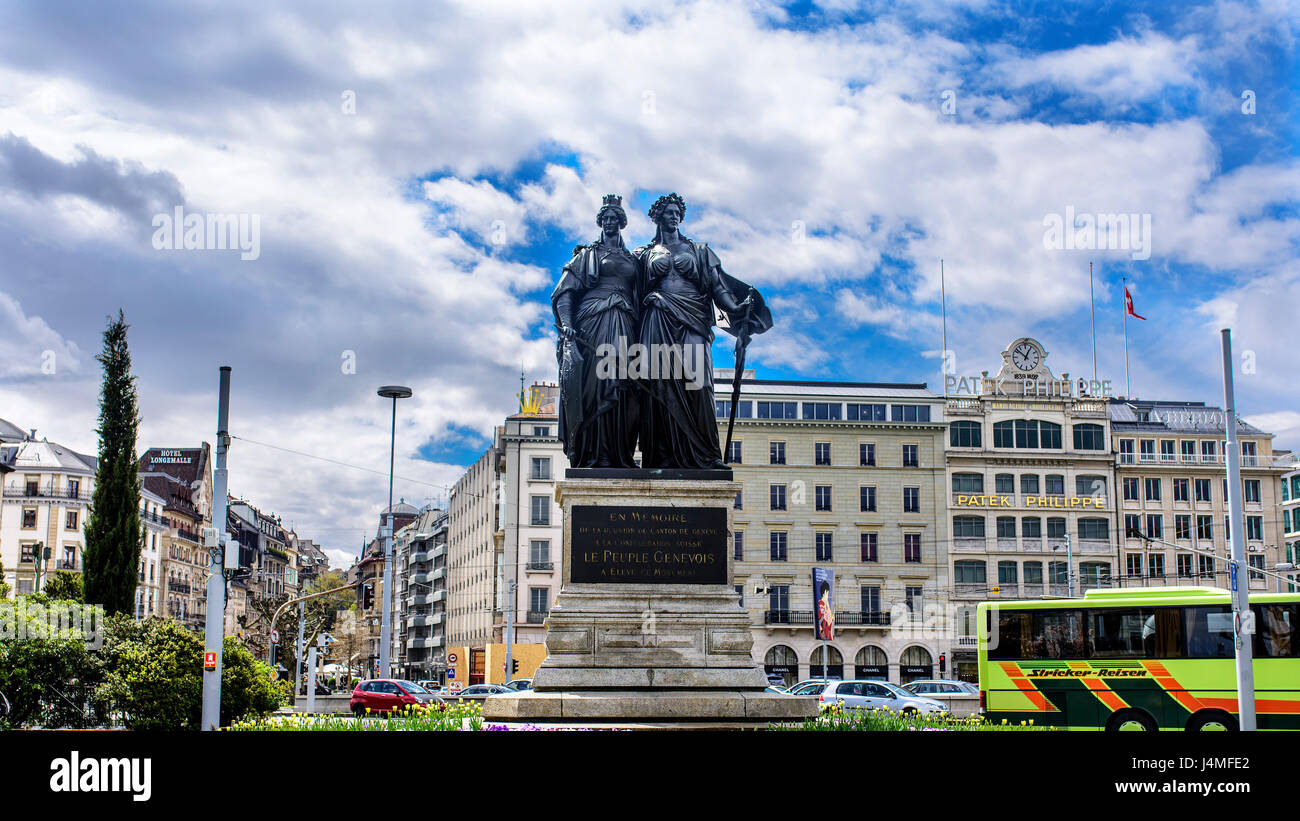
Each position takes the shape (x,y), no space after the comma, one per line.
(824,607)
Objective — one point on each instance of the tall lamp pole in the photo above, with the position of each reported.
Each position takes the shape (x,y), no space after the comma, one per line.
(393,392)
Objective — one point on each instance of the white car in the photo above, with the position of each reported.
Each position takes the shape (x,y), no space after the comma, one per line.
(872,694)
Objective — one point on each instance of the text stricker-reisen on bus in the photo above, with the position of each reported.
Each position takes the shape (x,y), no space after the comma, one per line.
(1098,673)
(1055,502)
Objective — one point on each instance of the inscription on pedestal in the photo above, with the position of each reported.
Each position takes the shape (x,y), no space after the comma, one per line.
(648,545)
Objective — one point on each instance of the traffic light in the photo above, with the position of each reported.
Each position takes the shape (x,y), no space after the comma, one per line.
(367,597)
(943,662)
(514,666)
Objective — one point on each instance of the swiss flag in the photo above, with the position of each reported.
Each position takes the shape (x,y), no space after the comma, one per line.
(1128,304)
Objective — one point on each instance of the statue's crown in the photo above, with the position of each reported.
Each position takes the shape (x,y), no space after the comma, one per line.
(612,199)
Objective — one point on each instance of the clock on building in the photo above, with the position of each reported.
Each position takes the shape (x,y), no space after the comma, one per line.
(1026,356)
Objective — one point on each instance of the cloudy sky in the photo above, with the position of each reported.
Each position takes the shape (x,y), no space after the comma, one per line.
(419,171)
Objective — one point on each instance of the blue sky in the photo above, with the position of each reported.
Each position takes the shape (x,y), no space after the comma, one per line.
(421,172)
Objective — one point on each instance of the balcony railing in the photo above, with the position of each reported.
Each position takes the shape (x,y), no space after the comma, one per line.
(537,616)
(18,490)
(864,618)
(178,587)
(540,566)
(75,566)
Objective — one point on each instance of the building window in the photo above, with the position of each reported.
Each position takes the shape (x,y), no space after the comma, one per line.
(776,453)
(1031,527)
(869,547)
(909,413)
(778,544)
(1251,487)
(1026,433)
(1055,528)
(1007,527)
(1147,450)
(1184,565)
(1209,451)
(738,545)
(540,510)
(1007,574)
(910,459)
(778,599)
(870,597)
(1188,449)
(1152,489)
(1033,573)
(539,600)
(867,454)
(867,499)
(1004,483)
(1096,529)
(1249,456)
(969,572)
(1182,490)
(1157,565)
(541,467)
(1132,525)
(1054,484)
(1049,435)
(1089,437)
(1029,484)
(822,453)
(739,504)
(912,548)
(1131,489)
(822,497)
(1182,526)
(541,430)
(1167,451)
(29,518)
(539,554)
(1205,528)
(964,434)
(968,483)
(1255,528)
(866,413)
(745,410)
(915,603)
(968,527)
(778,410)
(822,410)
(1004,435)
(825,547)
(776,497)
(911,500)
(1126,456)
(1155,526)
(71,521)
(1207,569)
(736,453)
(1203,493)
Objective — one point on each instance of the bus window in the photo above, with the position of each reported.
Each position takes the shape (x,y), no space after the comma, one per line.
(1010,639)
(1136,633)
(1276,630)
(1209,632)
(1058,634)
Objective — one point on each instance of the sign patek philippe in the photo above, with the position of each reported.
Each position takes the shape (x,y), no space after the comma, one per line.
(649,545)
(1053,502)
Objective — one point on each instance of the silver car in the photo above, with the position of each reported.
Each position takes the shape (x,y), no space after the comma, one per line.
(872,694)
(941,687)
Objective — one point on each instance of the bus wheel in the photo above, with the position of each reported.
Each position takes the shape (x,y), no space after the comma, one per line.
(1212,720)
(1131,721)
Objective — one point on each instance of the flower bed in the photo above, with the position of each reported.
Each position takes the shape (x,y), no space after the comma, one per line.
(835,717)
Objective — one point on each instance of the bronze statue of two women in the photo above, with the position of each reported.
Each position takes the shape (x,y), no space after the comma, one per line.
(654,306)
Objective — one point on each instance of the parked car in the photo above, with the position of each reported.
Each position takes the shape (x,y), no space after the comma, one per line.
(872,694)
(772,688)
(940,687)
(520,684)
(480,692)
(810,686)
(432,686)
(385,695)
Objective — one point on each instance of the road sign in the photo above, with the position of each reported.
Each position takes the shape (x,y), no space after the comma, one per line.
(1232,575)
(209,661)
(275,636)
(451,658)
(275,674)
(455,686)
(995,589)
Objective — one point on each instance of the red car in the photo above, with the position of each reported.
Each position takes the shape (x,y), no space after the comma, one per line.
(384,695)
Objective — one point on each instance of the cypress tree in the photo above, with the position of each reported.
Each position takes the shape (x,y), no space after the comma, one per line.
(113,534)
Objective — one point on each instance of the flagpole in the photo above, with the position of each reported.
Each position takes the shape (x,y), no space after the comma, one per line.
(1092,306)
(1128,386)
(943,307)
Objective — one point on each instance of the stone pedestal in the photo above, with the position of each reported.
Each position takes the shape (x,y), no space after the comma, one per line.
(671,643)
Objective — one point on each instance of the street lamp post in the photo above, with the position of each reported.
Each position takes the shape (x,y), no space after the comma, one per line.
(393,392)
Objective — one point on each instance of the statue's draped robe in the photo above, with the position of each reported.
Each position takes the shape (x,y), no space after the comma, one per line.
(598,416)
(678,419)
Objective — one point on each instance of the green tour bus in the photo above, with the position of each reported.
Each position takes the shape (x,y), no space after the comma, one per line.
(1137,659)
